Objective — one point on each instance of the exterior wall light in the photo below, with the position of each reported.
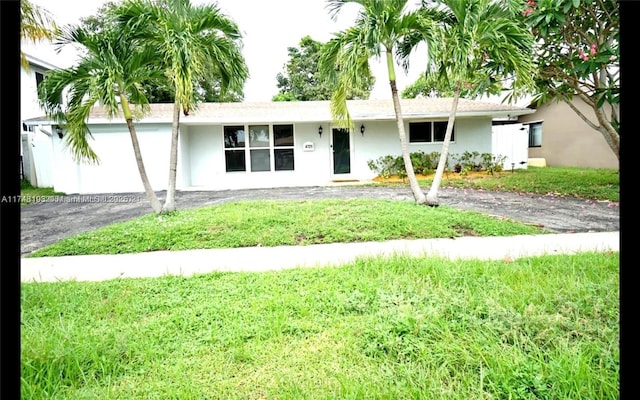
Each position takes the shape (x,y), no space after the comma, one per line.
(59,131)
(362,129)
(320,130)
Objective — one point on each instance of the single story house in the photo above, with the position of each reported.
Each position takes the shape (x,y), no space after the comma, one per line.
(261,145)
(558,137)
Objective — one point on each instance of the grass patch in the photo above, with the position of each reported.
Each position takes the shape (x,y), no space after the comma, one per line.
(586,183)
(393,328)
(30,194)
(276,223)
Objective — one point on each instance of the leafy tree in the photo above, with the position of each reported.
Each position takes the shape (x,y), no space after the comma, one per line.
(428,85)
(302,81)
(577,52)
(481,42)
(36,24)
(193,42)
(109,73)
(382,28)
(208,89)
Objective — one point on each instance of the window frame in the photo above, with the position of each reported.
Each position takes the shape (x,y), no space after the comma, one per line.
(431,133)
(531,140)
(250,148)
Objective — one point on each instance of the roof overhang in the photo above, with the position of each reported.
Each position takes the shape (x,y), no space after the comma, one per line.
(306,112)
(39,63)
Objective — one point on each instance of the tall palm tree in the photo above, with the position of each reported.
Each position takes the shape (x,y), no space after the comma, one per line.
(192,42)
(36,24)
(108,74)
(482,42)
(383,28)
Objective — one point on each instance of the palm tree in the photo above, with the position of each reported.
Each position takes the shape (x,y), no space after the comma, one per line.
(36,24)
(192,42)
(108,74)
(482,42)
(382,26)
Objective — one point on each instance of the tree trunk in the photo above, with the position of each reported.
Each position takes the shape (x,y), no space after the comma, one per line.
(170,201)
(151,195)
(418,195)
(611,136)
(432,195)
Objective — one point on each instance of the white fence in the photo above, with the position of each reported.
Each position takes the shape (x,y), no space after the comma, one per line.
(511,141)
(37,158)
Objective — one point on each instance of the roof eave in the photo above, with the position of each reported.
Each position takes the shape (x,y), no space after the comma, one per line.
(194,120)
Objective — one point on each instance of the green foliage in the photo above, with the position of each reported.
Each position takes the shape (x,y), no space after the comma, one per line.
(198,46)
(110,72)
(287,96)
(207,89)
(301,80)
(426,163)
(428,85)
(36,24)
(577,53)
(481,49)
(30,194)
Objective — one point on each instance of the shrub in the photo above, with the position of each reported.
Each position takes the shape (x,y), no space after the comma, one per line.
(426,163)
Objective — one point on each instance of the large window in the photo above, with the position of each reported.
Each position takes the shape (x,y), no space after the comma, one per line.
(535,134)
(268,148)
(429,132)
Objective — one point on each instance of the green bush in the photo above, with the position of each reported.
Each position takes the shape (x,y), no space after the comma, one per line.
(426,163)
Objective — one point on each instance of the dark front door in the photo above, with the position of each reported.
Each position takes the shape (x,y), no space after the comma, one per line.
(341,154)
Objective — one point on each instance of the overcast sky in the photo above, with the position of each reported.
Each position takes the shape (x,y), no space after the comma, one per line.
(269,27)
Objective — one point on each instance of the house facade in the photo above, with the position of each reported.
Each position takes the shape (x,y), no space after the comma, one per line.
(560,138)
(262,145)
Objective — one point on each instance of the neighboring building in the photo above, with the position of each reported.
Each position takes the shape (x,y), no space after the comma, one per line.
(262,145)
(558,137)
(35,144)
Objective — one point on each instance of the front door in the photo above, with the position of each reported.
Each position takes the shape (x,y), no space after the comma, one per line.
(341,151)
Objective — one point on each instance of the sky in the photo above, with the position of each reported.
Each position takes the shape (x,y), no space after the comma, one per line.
(269,28)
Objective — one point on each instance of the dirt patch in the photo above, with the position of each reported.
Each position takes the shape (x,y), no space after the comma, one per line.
(470,175)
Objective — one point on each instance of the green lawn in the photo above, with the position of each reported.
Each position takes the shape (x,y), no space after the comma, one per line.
(272,223)
(30,194)
(586,183)
(395,328)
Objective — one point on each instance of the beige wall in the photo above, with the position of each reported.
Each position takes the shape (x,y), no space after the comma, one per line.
(567,141)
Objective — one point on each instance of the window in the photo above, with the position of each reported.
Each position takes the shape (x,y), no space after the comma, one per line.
(234,148)
(263,153)
(428,132)
(535,134)
(39,78)
(283,143)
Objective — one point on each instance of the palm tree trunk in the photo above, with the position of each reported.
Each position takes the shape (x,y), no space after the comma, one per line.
(418,195)
(151,195)
(170,201)
(432,195)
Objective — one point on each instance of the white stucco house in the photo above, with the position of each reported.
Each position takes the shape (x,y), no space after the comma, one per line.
(271,144)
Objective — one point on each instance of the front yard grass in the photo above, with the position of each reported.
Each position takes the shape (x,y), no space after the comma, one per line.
(396,328)
(586,183)
(30,194)
(278,223)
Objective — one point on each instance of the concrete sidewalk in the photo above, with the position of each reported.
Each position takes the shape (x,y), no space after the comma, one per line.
(255,259)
